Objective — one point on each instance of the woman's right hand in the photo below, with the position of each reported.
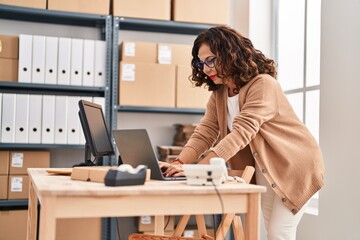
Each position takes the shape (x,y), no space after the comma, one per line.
(171,169)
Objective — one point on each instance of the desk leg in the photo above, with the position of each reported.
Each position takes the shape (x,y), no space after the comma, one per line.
(32,214)
(159,225)
(47,228)
(252,218)
(224,226)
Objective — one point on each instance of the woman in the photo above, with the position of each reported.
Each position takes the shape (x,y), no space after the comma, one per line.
(249,121)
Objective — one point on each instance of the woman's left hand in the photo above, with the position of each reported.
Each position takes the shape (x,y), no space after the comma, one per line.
(174,169)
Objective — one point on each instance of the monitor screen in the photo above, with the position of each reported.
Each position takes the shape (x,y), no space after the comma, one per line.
(95,130)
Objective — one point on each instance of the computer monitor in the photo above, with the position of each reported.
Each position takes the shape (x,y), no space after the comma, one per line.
(97,137)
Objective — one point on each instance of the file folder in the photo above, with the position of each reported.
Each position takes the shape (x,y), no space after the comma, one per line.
(64,57)
(100,63)
(48,119)
(25,58)
(8,118)
(101,102)
(61,119)
(22,118)
(89,61)
(38,60)
(51,60)
(81,135)
(76,62)
(35,115)
(73,127)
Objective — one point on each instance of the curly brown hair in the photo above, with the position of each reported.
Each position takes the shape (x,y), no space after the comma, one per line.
(236,58)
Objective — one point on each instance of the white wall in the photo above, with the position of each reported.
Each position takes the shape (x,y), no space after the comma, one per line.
(339,206)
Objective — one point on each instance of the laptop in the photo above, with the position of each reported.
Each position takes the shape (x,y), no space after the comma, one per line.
(135,149)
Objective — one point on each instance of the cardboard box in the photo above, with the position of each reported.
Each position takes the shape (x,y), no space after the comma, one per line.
(9,46)
(18,187)
(4,186)
(147,85)
(78,228)
(187,95)
(170,53)
(147,223)
(9,69)
(20,161)
(13,224)
(134,52)
(101,7)
(25,3)
(4,162)
(91,174)
(217,11)
(146,9)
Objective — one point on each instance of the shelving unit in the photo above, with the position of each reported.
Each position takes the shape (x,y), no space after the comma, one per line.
(101,22)
(157,26)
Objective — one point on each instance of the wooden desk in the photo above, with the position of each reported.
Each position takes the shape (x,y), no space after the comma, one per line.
(61,197)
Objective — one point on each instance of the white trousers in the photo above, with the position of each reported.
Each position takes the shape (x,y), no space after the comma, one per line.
(280,222)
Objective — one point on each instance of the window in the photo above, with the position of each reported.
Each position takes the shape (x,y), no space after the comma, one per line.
(298,56)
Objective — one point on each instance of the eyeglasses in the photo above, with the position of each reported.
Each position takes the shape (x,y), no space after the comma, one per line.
(209,61)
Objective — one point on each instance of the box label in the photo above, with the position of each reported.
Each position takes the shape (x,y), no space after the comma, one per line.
(164,54)
(129,49)
(145,219)
(17,160)
(128,72)
(16,184)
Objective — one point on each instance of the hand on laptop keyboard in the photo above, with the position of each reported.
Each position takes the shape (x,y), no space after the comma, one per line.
(169,169)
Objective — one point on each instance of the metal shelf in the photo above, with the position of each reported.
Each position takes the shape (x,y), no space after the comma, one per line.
(160,110)
(48,89)
(13,204)
(161,26)
(50,16)
(31,146)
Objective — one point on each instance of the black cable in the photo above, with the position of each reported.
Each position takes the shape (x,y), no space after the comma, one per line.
(222,205)
(167,223)
(117,227)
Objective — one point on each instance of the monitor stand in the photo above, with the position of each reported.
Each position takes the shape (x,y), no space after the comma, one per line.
(88,161)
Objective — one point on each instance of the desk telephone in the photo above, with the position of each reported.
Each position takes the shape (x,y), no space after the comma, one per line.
(214,173)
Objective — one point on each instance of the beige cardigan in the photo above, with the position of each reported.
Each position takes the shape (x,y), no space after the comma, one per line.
(267,130)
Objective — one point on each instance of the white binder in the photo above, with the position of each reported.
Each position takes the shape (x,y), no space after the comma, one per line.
(73,127)
(100,101)
(35,115)
(61,119)
(25,58)
(64,57)
(100,63)
(76,62)
(51,60)
(22,118)
(38,60)
(48,119)
(88,62)
(8,118)
(82,136)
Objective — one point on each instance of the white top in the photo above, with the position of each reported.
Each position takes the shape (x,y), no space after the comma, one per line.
(233,109)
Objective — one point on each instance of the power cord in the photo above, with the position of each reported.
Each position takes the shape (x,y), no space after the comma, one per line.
(117,228)
(221,202)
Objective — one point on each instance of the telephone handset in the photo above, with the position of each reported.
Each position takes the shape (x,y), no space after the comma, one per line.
(225,176)
(214,173)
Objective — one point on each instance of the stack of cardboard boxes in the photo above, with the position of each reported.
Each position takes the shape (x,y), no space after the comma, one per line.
(217,11)
(9,58)
(157,75)
(14,184)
